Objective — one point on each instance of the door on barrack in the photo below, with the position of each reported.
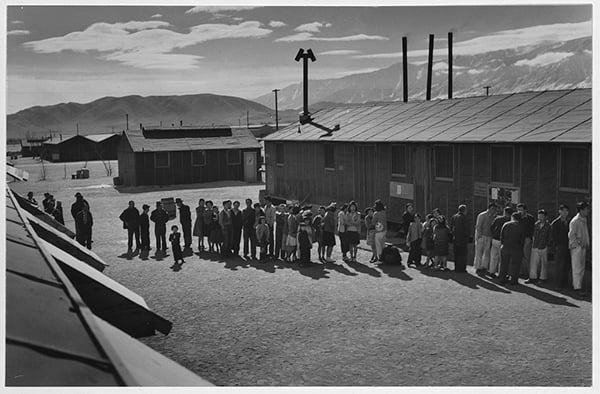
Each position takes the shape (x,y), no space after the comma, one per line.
(364,175)
(249,166)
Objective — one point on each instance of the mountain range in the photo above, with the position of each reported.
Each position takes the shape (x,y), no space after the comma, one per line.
(108,114)
(546,66)
(542,67)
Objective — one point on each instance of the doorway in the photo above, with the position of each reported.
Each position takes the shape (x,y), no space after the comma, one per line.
(249,166)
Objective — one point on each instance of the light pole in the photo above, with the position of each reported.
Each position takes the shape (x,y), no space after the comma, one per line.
(276,111)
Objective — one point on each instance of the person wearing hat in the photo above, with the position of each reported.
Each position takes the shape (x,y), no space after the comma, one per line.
(83,223)
(329,224)
(160,217)
(78,204)
(185,218)
(58,213)
(145,228)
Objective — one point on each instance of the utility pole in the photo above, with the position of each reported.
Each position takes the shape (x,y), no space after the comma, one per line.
(404,70)
(248,119)
(305,117)
(127,121)
(77,128)
(487,90)
(276,111)
(449,65)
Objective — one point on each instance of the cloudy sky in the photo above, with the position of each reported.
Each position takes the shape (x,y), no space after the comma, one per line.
(81,53)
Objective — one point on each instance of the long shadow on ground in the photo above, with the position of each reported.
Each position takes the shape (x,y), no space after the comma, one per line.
(464,278)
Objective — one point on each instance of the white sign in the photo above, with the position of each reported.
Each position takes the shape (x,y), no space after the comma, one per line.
(494,193)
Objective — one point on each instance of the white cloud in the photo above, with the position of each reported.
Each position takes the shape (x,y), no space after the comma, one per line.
(16,22)
(217,9)
(277,24)
(305,36)
(156,16)
(588,52)
(238,18)
(18,33)
(502,40)
(340,52)
(544,59)
(145,44)
(313,27)
(475,71)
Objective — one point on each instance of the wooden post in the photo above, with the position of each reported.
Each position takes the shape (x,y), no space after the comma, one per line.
(404,70)
(429,67)
(449,65)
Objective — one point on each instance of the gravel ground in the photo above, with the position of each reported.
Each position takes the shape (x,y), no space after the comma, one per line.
(246,323)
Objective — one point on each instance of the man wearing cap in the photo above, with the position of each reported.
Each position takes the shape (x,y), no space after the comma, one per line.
(270,220)
(83,223)
(560,241)
(160,217)
(145,228)
(249,220)
(539,249)
(131,221)
(30,198)
(528,222)
(185,218)
(579,243)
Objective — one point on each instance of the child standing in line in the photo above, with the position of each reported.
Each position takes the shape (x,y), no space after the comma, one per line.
(428,243)
(441,239)
(262,236)
(304,241)
(174,238)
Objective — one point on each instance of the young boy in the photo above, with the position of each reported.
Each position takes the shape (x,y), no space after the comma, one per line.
(262,236)
(174,238)
(304,241)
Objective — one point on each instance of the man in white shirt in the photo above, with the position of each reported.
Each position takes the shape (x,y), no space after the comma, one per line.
(579,243)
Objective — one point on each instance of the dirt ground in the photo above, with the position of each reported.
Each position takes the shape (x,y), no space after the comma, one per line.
(246,323)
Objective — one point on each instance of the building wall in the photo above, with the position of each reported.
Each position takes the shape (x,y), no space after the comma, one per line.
(180,169)
(108,148)
(127,163)
(78,148)
(363,172)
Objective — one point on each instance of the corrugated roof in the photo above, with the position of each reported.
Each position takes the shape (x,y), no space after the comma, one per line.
(560,115)
(52,335)
(240,139)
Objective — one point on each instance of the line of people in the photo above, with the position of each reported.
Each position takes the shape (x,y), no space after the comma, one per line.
(508,244)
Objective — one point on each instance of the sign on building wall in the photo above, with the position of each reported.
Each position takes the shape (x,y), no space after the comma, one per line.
(503,195)
(402,190)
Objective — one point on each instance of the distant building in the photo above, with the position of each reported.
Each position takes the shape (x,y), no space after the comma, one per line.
(32,147)
(532,147)
(187,154)
(81,148)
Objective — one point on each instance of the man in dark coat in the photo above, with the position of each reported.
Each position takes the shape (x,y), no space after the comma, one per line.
(226,228)
(236,225)
(512,237)
(560,241)
(83,223)
(160,217)
(145,228)
(408,216)
(248,222)
(131,221)
(185,218)
(459,227)
(77,206)
(528,222)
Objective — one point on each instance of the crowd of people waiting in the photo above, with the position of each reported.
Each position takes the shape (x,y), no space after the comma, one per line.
(509,244)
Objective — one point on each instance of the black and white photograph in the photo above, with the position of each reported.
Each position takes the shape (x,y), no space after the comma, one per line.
(300,196)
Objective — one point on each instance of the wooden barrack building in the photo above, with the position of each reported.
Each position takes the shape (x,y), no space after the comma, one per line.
(532,147)
(187,154)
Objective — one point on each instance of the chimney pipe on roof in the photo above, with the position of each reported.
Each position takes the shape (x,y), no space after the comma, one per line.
(429,67)
(449,65)
(305,56)
(404,70)
(141,128)
(181,123)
